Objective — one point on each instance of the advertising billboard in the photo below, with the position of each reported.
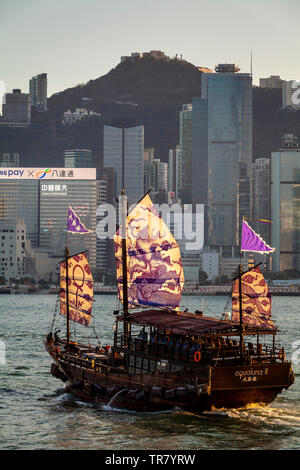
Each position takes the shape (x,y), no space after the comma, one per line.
(48,173)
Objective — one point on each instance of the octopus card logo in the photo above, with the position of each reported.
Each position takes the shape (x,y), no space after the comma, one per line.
(42,173)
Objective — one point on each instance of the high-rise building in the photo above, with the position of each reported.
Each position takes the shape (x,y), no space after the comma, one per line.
(148,168)
(19,199)
(43,204)
(38,92)
(285,204)
(222,152)
(105,262)
(261,193)
(274,81)
(55,198)
(78,158)
(174,171)
(16,109)
(124,152)
(185,144)
(9,159)
(12,249)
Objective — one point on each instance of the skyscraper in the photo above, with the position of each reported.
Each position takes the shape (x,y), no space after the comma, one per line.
(285,204)
(38,92)
(124,152)
(185,144)
(222,152)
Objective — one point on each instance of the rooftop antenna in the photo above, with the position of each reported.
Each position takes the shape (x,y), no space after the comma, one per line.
(251,64)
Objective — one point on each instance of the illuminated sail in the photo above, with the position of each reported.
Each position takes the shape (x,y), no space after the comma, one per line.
(80,289)
(154,267)
(256,299)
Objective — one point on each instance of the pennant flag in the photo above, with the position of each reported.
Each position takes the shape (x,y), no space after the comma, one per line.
(74,224)
(251,241)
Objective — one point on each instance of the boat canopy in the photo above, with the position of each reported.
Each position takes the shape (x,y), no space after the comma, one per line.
(190,324)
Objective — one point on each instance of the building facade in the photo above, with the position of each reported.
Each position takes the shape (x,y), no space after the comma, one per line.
(185,144)
(78,158)
(8,160)
(12,249)
(123,150)
(222,152)
(274,81)
(285,204)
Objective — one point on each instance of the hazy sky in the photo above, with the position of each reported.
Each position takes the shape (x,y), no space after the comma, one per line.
(78,40)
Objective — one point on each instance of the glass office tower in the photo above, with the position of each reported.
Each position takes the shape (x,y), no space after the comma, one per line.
(285,204)
(124,152)
(222,152)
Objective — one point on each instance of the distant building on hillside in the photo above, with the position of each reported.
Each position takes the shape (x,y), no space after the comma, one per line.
(38,92)
(16,109)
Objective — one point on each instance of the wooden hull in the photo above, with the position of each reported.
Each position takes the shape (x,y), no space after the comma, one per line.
(207,389)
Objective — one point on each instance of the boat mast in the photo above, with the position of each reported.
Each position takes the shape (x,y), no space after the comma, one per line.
(241,311)
(124,263)
(67,295)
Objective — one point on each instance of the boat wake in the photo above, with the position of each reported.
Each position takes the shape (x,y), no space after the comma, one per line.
(268,416)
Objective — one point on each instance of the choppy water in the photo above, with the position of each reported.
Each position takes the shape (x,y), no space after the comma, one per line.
(36,413)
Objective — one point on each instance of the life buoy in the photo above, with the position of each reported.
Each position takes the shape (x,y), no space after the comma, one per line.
(281,354)
(197,356)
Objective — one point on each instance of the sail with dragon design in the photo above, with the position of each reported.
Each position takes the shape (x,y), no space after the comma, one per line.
(154,268)
(256,299)
(251,298)
(80,289)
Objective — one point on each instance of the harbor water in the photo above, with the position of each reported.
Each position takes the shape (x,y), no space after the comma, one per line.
(37,413)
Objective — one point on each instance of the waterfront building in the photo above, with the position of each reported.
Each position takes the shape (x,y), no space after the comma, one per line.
(285,204)
(123,150)
(222,152)
(12,249)
(38,92)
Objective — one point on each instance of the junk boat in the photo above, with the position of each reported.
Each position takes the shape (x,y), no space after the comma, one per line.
(162,356)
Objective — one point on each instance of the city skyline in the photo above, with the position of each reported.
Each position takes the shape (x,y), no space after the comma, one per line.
(80,57)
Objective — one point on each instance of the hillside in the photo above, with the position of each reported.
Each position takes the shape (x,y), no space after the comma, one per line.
(147,91)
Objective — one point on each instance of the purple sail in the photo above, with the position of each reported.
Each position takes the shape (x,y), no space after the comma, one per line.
(251,241)
(74,224)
